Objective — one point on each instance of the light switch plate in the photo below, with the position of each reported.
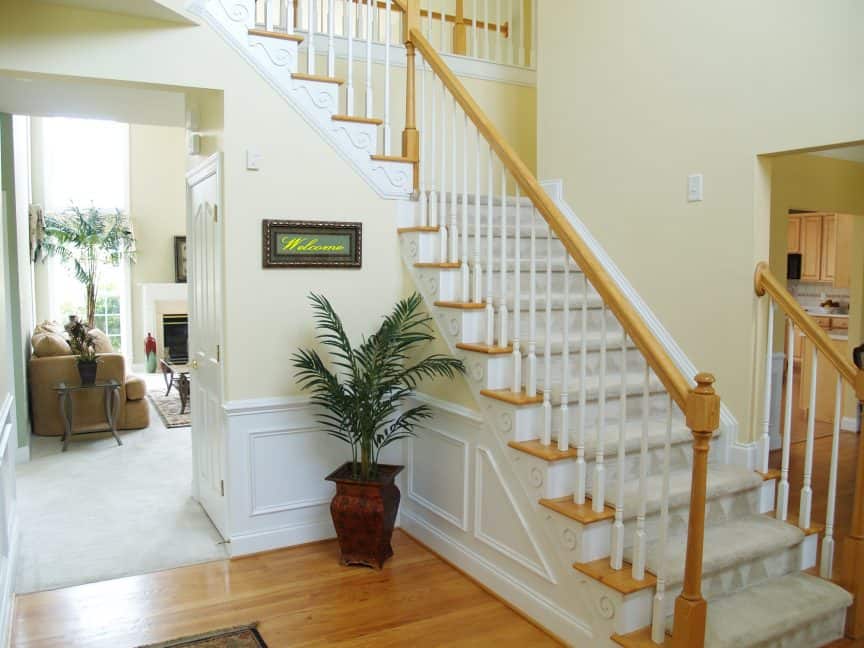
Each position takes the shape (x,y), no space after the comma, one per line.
(694,187)
(253,160)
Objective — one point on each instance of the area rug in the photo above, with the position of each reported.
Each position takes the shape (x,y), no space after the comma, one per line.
(169,408)
(239,637)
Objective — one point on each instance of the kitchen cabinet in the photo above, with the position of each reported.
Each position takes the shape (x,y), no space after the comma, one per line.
(824,243)
(826,381)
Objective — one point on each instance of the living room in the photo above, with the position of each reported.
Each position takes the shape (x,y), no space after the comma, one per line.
(104,479)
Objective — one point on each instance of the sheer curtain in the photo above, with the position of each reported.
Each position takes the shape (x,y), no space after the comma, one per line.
(85,162)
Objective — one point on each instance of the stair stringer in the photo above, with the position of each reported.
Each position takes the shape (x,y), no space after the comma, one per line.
(315,101)
(575,607)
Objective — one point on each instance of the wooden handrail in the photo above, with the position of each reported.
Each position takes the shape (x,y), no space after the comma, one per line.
(764,282)
(399,5)
(676,384)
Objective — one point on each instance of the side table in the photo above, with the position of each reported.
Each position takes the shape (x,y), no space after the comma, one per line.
(111,391)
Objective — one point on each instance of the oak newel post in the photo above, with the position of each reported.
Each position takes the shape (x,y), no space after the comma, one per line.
(703,418)
(411,136)
(852,573)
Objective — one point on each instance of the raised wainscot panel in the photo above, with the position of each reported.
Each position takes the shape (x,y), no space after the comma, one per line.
(438,475)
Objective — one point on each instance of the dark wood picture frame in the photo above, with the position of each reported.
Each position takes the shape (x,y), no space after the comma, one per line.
(311,244)
(180,273)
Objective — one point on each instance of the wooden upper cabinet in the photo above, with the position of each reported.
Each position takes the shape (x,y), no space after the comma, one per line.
(793,234)
(828,265)
(843,251)
(811,247)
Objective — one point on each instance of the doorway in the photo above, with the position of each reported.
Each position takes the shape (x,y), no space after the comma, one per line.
(101,510)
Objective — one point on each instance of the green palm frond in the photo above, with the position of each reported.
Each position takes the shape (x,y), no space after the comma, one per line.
(362,403)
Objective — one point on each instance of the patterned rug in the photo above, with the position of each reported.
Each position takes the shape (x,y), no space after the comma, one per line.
(169,408)
(240,637)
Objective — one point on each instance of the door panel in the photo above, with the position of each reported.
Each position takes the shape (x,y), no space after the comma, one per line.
(204,262)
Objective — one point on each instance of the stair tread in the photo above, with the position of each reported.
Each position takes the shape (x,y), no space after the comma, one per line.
(320,78)
(592,391)
(274,34)
(771,609)
(358,120)
(735,541)
(722,480)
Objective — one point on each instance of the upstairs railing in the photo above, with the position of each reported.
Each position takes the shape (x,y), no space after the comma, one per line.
(821,347)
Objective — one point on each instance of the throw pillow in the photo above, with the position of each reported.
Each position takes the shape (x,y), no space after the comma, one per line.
(100,341)
(46,345)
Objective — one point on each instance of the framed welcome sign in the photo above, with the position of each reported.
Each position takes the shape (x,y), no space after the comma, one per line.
(306,244)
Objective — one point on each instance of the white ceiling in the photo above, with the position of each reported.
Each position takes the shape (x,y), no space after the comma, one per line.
(851,153)
(145,8)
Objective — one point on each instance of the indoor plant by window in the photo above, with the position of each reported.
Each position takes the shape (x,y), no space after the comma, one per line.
(361,403)
(85,240)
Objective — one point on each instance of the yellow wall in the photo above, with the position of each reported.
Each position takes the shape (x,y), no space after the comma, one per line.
(266,313)
(633,97)
(157,204)
(819,183)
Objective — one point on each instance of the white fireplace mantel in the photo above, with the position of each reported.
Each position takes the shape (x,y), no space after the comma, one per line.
(154,294)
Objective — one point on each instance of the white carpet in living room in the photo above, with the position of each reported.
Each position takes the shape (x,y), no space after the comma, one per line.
(102,511)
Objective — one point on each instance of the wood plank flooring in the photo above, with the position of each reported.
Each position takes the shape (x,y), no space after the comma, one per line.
(301,597)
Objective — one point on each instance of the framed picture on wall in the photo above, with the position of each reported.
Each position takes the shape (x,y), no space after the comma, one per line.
(180,259)
(312,244)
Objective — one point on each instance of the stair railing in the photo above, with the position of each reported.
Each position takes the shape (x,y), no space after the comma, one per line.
(461,157)
(820,346)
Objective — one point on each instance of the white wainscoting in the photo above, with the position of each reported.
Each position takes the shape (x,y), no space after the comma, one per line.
(8,516)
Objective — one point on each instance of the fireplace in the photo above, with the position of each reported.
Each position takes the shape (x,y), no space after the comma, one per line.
(175,336)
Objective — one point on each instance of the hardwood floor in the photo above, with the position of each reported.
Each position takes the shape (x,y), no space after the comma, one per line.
(301,597)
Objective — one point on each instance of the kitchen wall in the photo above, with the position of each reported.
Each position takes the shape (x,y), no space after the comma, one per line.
(633,97)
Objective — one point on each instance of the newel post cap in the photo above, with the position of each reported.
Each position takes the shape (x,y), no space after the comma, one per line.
(703,405)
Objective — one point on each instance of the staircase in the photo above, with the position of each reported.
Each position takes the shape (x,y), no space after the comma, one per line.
(620,454)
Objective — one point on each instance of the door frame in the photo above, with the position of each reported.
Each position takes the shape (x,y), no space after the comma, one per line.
(211,166)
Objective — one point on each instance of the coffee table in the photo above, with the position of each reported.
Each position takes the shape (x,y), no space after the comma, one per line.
(111,390)
(176,375)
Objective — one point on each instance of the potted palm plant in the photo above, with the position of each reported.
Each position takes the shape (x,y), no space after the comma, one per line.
(85,240)
(361,401)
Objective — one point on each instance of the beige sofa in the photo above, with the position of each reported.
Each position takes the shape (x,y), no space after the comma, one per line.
(89,406)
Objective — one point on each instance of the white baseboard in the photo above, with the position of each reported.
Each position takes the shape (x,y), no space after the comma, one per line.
(22,454)
(848,424)
(289,536)
(7,587)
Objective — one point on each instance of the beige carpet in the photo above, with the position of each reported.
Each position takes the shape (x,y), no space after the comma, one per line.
(169,407)
(102,511)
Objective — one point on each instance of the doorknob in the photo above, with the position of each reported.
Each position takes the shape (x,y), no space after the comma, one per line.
(194,364)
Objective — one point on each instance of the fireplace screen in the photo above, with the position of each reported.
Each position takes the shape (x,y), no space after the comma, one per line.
(175,336)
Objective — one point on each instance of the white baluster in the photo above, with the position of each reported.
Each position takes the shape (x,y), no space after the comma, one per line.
(269,15)
(517,296)
(487,50)
(640,539)
(490,242)
(424,154)
(499,37)
(289,17)
(442,204)
(434,220)
(598,494)
(531,379)
(331,38)
(466,273)
(765,441)
(658,618)
(564,432)
(370,104)
(454,203)
(478,234)
(474,32)
(310,51)
(783,486)
(806,489)
(503,315)
(547,346)
(581,472)
(511,51)
(349,88)
(618,525)
(443,26)
(826,566)
(388,18)
(520,45)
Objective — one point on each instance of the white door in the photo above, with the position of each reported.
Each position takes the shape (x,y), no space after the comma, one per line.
(204,276)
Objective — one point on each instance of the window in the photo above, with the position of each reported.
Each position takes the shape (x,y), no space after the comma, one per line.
(85,162)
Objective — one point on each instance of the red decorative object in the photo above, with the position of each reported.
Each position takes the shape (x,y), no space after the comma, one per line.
(149,344)
(364,514)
